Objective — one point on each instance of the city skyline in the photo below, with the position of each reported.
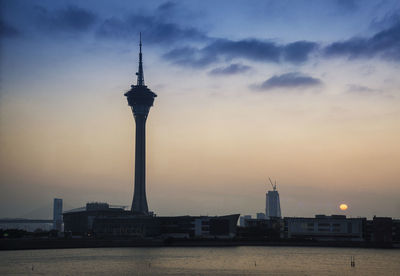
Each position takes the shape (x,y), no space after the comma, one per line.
(306,94)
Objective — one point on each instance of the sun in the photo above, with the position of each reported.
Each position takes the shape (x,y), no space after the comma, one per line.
(343,207)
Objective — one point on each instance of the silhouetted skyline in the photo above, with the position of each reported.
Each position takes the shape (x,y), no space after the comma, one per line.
(303,91)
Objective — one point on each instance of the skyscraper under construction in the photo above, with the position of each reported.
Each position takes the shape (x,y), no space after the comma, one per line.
(272,203)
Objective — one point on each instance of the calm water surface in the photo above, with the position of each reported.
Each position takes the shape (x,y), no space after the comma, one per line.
(201,261)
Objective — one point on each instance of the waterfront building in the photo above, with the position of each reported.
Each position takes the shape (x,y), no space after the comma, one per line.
(396,230)
(260,216)
(265,229)
(243,219)
(380,230)
(103,220)
(167,227)
(325,228)
(80,221)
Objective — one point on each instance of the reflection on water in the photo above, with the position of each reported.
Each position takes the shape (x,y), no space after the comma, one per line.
(201,261)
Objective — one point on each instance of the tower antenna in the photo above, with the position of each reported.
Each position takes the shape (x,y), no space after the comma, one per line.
(140,75)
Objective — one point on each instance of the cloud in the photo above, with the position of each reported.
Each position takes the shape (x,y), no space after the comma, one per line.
(232,69)
(69,19)
(298,52)
(158,27)
(161,27)
(385,44)
(391,18)
(6,30)
(354,88)
(188,56)
(250,49)
(167,7)
(289,80)
(154,30)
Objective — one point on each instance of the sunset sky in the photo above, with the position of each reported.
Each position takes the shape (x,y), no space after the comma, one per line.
(306,92)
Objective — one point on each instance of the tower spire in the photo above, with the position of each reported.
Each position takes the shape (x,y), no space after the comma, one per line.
(140,76)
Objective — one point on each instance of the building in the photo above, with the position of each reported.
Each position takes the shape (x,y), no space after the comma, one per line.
(166,227)
(140,99)
(272,203)
(261,216)
(128,225)
(243,220)
(221,227)
(380,230)
(57,214)
(396,230)
(265,229)
(80,221)
(102,220)
(325,228)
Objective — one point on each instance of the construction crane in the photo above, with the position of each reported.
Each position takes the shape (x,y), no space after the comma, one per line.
(272,184)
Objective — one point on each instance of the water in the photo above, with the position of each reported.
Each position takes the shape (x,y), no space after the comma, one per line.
(201,261)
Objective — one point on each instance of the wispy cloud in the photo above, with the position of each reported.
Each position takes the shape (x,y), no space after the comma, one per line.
(154,30)
(250,49)
(232,69)
(157,26)
(70,19)
(354,88)
(385,44)
(391,18)
(288,81)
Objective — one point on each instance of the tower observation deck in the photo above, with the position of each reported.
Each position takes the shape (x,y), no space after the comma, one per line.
(140,99)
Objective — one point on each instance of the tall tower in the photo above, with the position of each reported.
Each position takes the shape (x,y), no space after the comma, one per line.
(272,203)
(140,99)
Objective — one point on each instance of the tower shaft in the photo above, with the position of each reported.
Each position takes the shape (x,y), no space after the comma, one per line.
(139,203)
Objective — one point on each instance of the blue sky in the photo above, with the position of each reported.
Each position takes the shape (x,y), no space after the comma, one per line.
(306,92)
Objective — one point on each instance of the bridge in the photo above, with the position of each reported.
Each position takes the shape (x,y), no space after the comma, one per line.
(21,220)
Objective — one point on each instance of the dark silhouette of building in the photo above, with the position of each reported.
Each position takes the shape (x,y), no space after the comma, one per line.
(261,229)
(140,99)
(80,221)
(102,220)
(381,230)
(57,214)
(272,202)
(325,228)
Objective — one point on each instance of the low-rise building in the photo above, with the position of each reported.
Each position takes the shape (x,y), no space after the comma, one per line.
(380,230)
(265,229)
(243,219)
(325,228)
(101,220)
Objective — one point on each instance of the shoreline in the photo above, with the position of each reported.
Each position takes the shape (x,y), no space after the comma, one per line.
(29,244)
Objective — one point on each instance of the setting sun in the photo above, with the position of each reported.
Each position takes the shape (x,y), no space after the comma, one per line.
(343,207)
